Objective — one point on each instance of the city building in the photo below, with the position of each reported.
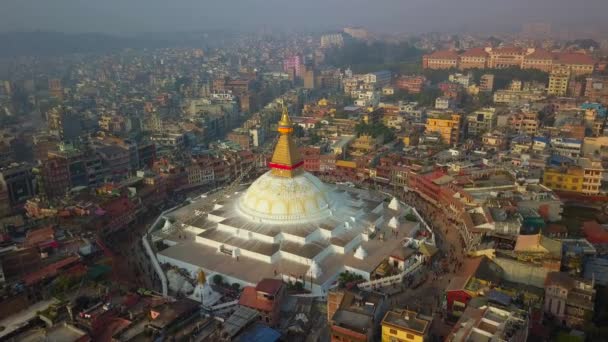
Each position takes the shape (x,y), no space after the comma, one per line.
(294,64)
(353,315)
(570,300)
(596,89)
(558,81)
(404,325)
(332,40)
(447,125)
(486,83)
(445,59)
(266,298)
(464,80)
(510,57)
(19,183)
(411,84)
(378,79)
(476,58)
(491,322)
(567,147)
(564,178)
(481,121)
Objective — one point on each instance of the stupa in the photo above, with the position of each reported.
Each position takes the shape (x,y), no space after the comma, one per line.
(287,224)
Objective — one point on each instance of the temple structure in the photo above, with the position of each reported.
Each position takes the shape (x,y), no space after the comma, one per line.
(287,224)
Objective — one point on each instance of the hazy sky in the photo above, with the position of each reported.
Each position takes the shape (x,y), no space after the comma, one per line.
(127,16)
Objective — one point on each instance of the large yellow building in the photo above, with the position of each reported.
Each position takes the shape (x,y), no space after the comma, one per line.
(448,126)
(404,326)
(564,178)
(558,81)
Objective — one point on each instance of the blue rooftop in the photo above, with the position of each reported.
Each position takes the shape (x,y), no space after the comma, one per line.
(499,297)
(259,333)
(559,160)
(601,110)
(541,139)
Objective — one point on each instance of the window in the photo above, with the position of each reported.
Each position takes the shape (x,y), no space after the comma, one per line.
(393,332)
(410,336)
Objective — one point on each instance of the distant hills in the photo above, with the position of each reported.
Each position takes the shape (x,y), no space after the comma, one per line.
(43,43)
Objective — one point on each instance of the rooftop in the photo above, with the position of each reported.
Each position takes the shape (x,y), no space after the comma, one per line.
(408,320)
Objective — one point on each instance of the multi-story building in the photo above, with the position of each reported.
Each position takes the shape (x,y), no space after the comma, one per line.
(445,59)
(378,79)
(539,59)
(495,140)
(524,123)
(569,179)
(175,140)
(518,97)
(595,147)
(491,322)
(353,315)
(116,161)
(55,88)
(447,125)
(266,298)
(312,158)
(558,81)
(199,175)
(332,40)
(476,58)
(486,83)
(510,56)
(596,89)
(506,57)
(578,63)
(570,300)
(241,138)
(309,78)
(294,64)
(593,173)
(19,182)
(567,147)
(481,121)
(443,102)
(56,175)
(405,325)
(411,84)
(463,79)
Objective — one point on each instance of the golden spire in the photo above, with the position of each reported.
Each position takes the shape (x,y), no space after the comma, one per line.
(201,278)
(286,159)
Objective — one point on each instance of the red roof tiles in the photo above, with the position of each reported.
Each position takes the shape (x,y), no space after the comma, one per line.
(270,286)
(444,54)
(540,54)
(575,58)
(475,52)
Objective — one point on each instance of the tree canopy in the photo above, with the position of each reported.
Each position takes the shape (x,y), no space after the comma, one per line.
(375,130)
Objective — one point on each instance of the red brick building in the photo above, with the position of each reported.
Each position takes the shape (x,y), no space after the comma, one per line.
(312,158)
(266,298)
(411,84)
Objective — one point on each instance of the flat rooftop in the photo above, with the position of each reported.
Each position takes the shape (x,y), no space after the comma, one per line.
(406,320)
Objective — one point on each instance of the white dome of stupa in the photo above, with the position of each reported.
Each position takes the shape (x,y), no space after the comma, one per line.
(286,194)
(282,200)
